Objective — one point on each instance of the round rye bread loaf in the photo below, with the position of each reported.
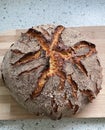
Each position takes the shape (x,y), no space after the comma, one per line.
(52,70)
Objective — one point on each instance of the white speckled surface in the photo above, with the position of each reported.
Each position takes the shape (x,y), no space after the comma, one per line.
(26,13)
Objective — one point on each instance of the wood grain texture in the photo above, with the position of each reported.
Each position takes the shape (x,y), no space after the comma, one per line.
(9,108)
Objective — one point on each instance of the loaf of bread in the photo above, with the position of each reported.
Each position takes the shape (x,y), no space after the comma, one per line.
(52,71)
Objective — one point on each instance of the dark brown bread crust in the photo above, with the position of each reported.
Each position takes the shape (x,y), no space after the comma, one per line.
(51,73)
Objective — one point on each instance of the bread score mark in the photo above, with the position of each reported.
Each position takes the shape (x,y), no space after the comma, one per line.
(56,36)
(40,37)
(77,59)
(53,63)
(27,57)
(40,85)
(74,86)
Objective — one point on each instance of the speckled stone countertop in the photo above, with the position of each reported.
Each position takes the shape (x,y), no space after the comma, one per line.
(27,13)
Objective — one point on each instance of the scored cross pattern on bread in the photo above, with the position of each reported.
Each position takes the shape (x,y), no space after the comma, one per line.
(56,57)
(71,66)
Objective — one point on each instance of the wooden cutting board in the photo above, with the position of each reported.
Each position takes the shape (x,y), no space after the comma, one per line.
(9,108)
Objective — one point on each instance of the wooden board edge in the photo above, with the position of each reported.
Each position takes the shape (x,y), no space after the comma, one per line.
(24,29)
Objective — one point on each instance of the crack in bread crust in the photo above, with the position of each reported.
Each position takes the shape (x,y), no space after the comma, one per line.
(40,37)
(73,86)
(40,85)
(27,57)
(16,51)
(90,95)
(52,62)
